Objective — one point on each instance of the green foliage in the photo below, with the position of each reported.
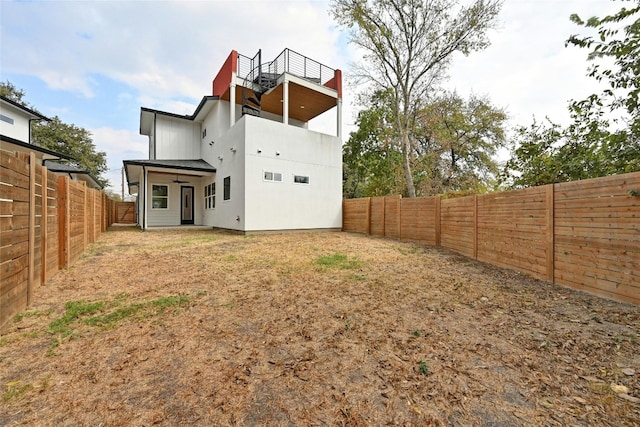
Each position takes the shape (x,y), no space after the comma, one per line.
(423,368)
(9,91)
(73,141)
(69,139)
(15,390)
(108,314)
(604,135)
(337,260)
(621,46)
(408,45)
(453,148)
(372,161)
(457,141)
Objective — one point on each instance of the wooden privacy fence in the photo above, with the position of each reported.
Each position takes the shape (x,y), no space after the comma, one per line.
(581,234)
(124,212)
(46,222)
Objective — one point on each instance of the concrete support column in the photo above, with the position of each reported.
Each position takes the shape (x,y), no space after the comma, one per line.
(232,105)
(339,118)
(285,103)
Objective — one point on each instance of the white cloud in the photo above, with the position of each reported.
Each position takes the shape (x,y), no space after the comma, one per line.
(119,145)
(166,53)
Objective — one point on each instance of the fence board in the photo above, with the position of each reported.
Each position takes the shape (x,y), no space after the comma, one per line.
(582,234)
(417,220)
(356,214)
(34,220)
(377,216)
(457,228)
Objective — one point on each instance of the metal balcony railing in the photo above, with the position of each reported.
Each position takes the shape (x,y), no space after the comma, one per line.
(288,61)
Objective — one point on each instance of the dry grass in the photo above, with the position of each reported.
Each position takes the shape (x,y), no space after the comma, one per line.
(205,328)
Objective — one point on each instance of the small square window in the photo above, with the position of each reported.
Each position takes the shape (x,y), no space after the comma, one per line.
(301,179)
(272,176)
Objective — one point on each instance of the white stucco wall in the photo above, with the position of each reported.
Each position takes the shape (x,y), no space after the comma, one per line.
(232,165)
(287,205)
(20,128)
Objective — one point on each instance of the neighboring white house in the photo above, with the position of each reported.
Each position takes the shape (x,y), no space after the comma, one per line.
(245,159)
(15,135)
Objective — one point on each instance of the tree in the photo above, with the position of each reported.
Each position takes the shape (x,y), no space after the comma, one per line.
(624,76)
(74,141)
(9,91)
(454,148)
(456,143)
(372,164)
(408,45)
(69,139)
(604,135)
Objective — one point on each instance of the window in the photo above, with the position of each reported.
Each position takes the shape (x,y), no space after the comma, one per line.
(210,196)
(227,188)
(301,179)
(272,176)
(159,197)
(6,119)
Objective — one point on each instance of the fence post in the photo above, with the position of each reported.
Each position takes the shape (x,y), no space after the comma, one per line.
(368,216)
(63,222)
(550,232)
(85,215)
(32,226)
(44,227)
(437,219)
(475,226)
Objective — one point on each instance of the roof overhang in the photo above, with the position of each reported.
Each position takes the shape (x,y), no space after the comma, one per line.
(147,115)
(307,99)
(74,172)
(11,144)
(32,114)
(134,168)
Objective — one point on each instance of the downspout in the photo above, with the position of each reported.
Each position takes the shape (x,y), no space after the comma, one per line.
(144,198)
(155,136)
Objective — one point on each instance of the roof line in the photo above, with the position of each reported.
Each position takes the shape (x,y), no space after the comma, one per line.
(35,147)
(159,163)
(183,116)
(27,109)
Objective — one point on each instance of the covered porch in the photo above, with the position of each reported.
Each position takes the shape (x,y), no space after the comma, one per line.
(170,193)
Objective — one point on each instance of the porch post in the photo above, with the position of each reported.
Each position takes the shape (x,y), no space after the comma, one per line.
(232,106)
(285,103)
(339,118)
(144,198)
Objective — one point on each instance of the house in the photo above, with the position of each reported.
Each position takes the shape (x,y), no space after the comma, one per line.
(246,159)
(15,135)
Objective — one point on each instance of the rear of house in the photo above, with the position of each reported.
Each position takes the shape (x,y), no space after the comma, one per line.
(245,159)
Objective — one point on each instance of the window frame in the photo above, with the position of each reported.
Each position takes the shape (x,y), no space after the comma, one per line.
(210,196)
(273,176)
(306,179)
(160,197)
(226,188)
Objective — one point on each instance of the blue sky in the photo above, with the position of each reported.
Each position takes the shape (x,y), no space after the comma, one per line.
(94,64)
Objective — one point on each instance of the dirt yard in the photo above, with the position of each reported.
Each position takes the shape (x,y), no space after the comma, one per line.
(208,328)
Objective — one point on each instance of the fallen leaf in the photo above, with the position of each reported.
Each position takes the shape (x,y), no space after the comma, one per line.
(629,398)
(592,379)
(618,388)
(628,371)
